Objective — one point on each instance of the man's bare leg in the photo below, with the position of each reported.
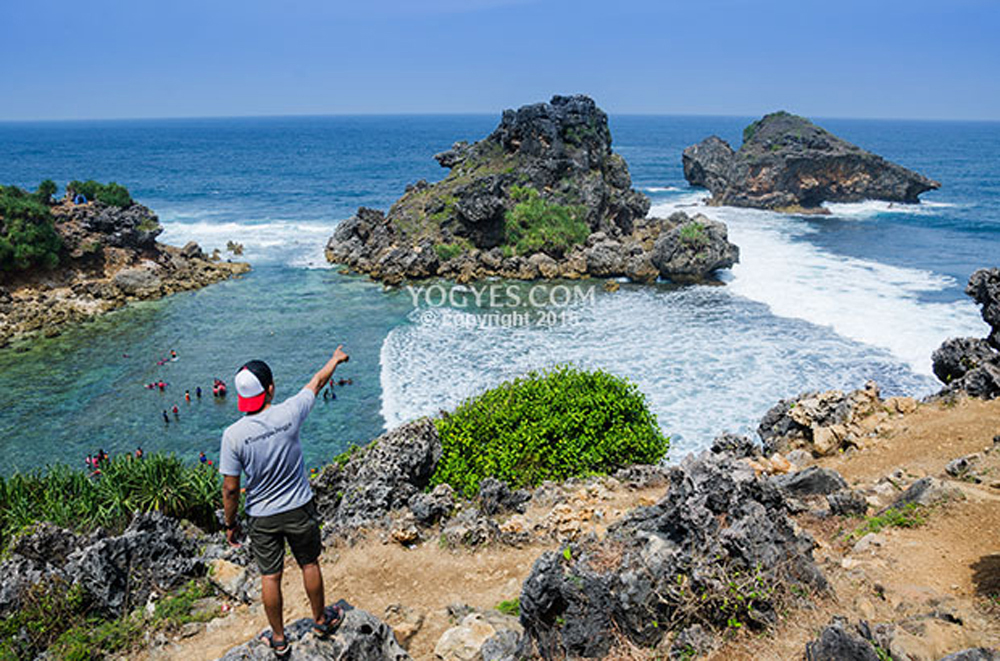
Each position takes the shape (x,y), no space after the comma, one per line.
(273,604)
(312,579)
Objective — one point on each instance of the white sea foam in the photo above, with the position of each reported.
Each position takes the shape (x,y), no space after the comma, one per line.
(871,208)
(661,189)
(293,243)
(863,300)
(707,359)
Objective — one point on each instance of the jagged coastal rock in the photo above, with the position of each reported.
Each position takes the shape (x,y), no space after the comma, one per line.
(666,567)
(972,365)
(543,196)
(109,256)
(788,163)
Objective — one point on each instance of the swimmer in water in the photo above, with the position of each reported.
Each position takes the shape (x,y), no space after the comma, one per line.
(166,418)
(176,411)
(197,392)
(187,395)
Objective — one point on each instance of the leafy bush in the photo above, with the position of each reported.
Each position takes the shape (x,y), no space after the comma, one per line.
(45,191)
(72,499)
(547,425)
(112,194)
(27,235)
(535,224)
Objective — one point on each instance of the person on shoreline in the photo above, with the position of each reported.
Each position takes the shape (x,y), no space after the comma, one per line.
(265,445)
(202,458)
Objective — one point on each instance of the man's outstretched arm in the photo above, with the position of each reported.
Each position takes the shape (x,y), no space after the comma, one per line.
(319,380)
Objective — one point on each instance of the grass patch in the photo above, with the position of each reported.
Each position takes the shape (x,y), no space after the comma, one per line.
(72,499)
(549,425)
(447,251)
(537,225)
(57,618)
(909,516)
(510,607)
(693,234)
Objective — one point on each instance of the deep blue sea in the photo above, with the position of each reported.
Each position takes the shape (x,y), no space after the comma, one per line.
(816,303)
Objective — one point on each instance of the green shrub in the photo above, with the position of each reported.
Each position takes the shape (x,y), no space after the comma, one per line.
(27,235)
(553,425)
(537,225)
(112,194)
(693,233)
(446,251)
(45,191)
(72,499)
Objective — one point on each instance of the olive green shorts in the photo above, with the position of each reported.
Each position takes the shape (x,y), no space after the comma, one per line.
(300,527)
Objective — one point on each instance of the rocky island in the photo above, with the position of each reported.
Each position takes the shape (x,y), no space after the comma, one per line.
(543,196)
(787,163)
(94,251)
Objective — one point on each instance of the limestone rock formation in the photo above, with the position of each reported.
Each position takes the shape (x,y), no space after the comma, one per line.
(972,365)
(664,566)
(110,257)
(788,163)
(543,196)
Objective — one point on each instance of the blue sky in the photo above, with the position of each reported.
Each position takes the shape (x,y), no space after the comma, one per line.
(843,58)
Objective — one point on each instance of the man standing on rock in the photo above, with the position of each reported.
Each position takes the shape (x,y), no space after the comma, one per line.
(265,445)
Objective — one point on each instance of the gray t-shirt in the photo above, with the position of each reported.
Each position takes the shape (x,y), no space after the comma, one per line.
(266,447)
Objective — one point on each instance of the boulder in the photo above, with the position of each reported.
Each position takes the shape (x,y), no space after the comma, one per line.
(666,562)
(694,249)
(138,281)
(971,365)
(926,491)
(495,497)
(813,481)
(787,162)
(360,637)
(836,643)
(384,476)
(466,641)
(984,288)
(820,422)
(117,573)
(429,508)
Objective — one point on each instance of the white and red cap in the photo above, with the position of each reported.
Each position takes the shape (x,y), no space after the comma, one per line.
(252,382)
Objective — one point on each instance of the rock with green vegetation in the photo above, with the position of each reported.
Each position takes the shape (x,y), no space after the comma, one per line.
(544,426)
(693,249)
(719,550)
(68,261)
(543,196)
(788,163)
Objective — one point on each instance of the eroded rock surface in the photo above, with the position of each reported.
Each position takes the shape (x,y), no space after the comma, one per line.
(788,163)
